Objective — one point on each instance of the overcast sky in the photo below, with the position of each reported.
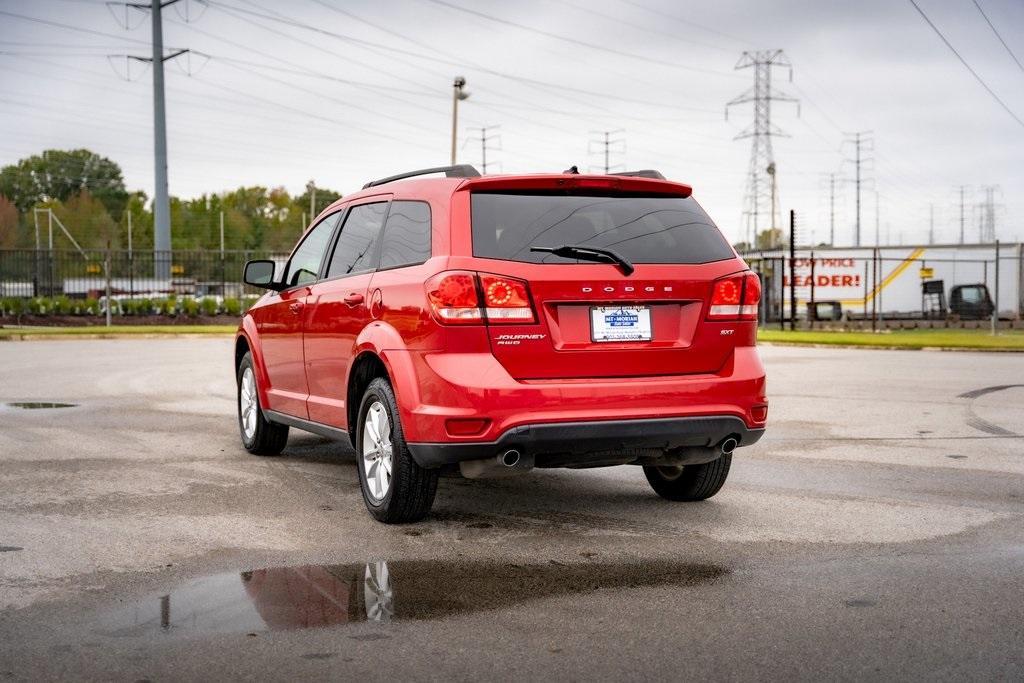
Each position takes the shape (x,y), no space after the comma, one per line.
(280,101)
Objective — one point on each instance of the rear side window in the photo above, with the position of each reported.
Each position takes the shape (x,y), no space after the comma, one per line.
(406,235)
(642,229)
(356,249)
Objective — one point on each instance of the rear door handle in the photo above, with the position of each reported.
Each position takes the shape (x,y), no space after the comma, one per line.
(296,307)
(354,299)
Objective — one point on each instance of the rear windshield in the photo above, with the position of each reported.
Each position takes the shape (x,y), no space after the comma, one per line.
(642,229)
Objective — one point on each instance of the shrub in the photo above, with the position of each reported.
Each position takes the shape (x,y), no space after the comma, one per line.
(209,305)
(39,306)
(61,305)
(91,307)
(232,306)
(12,306)
(190,307)
(169,306)
(146,306)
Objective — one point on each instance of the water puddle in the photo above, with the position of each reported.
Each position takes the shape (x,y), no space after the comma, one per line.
(283,598)
(39,405)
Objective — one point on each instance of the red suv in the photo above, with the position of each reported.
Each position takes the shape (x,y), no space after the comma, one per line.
(502,323)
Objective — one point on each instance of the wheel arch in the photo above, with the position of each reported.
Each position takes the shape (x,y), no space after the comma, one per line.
(366,367)
(247,340)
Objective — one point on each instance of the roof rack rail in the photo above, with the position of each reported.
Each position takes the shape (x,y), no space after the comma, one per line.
(457,171)
(643,173)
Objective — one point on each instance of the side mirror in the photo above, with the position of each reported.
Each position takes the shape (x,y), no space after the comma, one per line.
(260,274)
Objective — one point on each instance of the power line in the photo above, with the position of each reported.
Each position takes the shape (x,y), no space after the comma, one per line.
(69,27)
(989,22)
(619,21)
(966,65)
(575,41)
(686,22)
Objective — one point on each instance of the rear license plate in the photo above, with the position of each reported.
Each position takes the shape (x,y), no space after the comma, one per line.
(620,323)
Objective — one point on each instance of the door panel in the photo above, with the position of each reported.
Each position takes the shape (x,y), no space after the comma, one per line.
(339,310)
(279,323)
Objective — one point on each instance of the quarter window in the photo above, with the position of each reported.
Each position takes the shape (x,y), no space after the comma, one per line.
(355,251)
(304,266)
(406,235)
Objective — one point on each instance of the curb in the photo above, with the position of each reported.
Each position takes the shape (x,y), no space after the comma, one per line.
(881,347)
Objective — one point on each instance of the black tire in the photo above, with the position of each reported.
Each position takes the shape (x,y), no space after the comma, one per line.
(268,438)
(410,494)
(689,482)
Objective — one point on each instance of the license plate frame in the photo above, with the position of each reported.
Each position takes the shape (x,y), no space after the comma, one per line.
(620,324)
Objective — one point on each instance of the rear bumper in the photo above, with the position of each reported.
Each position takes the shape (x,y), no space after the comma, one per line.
(570,442)
(435,389)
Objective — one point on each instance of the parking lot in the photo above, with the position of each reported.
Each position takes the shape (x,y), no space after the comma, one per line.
(875,532)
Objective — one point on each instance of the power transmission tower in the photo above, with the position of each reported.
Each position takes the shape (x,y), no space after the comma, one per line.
(862,142)
(760,190)
(987,227)
(605,145)
(485,144)
(161,199)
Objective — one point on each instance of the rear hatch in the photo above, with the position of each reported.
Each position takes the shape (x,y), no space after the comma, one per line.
(595,318)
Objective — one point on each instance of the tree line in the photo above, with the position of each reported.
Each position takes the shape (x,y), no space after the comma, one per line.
(87,194)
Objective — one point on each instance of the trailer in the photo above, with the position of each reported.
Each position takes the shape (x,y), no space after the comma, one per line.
(889,282)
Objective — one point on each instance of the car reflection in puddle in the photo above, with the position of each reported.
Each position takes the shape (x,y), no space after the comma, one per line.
(284,598)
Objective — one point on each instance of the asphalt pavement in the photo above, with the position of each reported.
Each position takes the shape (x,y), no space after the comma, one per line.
(874,533)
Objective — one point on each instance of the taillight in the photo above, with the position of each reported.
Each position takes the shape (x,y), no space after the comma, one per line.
(455,298)
(735,298)
(506,299)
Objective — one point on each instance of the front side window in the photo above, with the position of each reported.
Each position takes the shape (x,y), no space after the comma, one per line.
(304,266)
(355,251)
(641,229)
(406,235)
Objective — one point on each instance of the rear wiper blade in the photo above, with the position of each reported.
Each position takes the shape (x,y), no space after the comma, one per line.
(589,253)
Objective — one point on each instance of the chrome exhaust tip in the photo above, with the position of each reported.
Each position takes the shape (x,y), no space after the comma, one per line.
(729,445)
(510,458)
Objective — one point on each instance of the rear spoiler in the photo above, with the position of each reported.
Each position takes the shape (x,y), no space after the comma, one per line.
(628,183)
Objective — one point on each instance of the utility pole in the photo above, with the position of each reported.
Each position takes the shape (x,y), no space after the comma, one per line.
(311,188)
(485,141)
(857,233)
(161,199)
(931,224)
(988,215)
(760,130)
(605,145)
(832,209)
(792,269)
(961,214)
(862,142)
(878,234)
(458,94)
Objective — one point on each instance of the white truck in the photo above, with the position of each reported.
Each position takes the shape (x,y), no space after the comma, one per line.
(916,281)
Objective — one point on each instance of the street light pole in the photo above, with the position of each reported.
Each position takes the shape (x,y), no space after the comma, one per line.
(457,94)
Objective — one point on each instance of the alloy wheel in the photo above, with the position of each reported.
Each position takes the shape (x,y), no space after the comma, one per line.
(377,451)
